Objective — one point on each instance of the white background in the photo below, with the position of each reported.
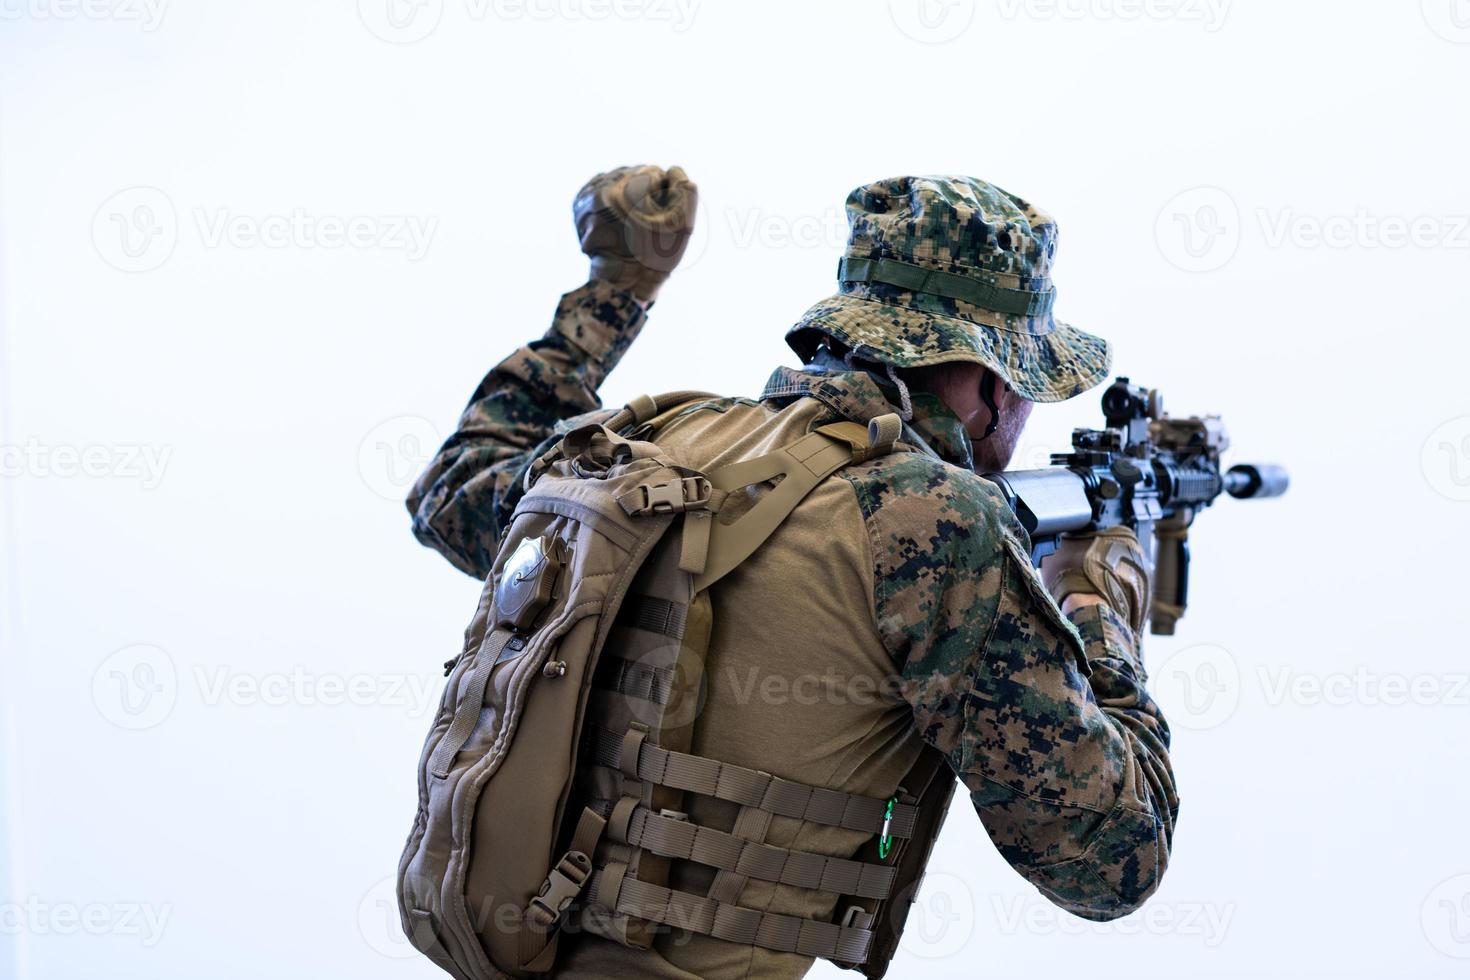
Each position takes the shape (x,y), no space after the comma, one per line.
(221,641)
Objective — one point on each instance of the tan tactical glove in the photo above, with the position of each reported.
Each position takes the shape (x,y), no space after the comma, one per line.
(1109,564)
(635,223)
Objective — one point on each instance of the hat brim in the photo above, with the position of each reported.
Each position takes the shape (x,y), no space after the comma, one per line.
(1050,362)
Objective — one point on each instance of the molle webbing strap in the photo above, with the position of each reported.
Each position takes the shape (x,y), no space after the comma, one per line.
(676,838)
(635,680)
(800,466)
(653,615)
(471,700)
(751,824)
(733,923)
(751,787)
(977,289)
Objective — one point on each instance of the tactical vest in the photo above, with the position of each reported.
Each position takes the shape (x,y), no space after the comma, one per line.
(554,779)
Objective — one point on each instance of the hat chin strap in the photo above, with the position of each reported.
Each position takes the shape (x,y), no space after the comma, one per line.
(906,412)
(987,395)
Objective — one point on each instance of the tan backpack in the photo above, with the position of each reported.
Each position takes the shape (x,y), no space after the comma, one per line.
(555,772)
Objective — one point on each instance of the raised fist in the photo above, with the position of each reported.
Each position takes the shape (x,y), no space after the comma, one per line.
(635,223)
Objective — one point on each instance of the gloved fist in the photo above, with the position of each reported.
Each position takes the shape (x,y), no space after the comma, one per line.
(1110,564)
(635,223)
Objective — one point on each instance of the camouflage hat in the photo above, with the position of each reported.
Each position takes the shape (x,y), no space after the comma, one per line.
(944,269)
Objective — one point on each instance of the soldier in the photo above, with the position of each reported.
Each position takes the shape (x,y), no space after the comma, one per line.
(897,605)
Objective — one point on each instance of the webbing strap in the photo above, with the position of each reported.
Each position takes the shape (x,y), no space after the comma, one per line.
(736,924)
(566,881)
(654,615)
(751,787)
(800,466)
(971,289)
(634,679)
(674,838)
(751,824)
(467,713)
(645,407)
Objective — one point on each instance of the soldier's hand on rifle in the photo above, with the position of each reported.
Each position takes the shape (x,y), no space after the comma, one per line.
(1108,565)
(635,223)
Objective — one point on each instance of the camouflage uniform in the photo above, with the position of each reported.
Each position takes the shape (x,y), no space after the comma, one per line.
(1043,717)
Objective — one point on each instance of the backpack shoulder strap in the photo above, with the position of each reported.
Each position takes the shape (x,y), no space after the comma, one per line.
(800,467)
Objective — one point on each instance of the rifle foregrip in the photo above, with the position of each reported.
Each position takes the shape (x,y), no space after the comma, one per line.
(1171,575)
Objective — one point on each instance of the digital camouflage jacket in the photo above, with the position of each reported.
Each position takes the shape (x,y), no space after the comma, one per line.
(1044,718)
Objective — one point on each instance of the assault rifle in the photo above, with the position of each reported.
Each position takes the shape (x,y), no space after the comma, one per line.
(1145,470)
